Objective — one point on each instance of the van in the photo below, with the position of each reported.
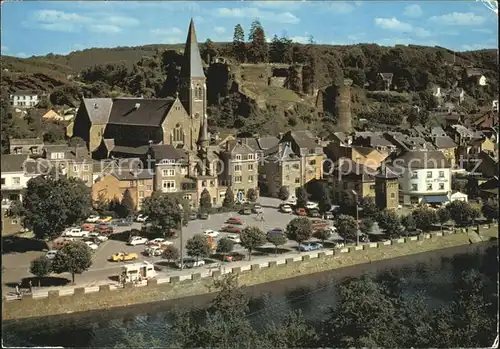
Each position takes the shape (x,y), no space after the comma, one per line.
(138,271)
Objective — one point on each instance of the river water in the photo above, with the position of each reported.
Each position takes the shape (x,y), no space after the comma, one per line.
(432,272)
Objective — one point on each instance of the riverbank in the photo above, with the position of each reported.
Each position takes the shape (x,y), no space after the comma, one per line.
(174,288)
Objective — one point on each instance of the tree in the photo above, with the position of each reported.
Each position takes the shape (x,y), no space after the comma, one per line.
(295,332)
(252,237)
(460,211)
(165,212)
(389,221)
(277,239)
(228,198)
(302,197)
(347,227)
(322,234)
(325,203)
(40,267)
(299,230)
(408,222)
(128,203)
(239,50)
(347,202)
(490,209)
(366,225)
(369,207)
(205,201)
(208,50)
(472,187)
(74,258)
(198,246)
(258,45)
(424,218)
(283,193)
(171,253)
(225,246)
(443,216)
(52,204)
(252,195)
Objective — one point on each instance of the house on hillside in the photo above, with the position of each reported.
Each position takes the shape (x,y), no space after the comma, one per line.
(477,75)
(24,99)
(33,146)
(386,79)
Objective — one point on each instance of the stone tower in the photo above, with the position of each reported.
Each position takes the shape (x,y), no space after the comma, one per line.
(343,104)
(193,88)
(386,189)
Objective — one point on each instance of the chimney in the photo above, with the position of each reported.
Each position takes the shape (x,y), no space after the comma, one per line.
(137,105)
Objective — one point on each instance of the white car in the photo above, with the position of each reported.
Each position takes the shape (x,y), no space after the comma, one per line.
(93,246)
(191,263)
(137,240)
(76,232)
(101,238)
(234,238)
(154,251)
(141,218)
(93,219)
(311,205)
(332,229)
(51,254)
(160,241)
(286,209)
(211,233)
(291,202)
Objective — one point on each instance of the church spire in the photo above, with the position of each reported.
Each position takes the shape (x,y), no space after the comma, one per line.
(203,140)
(192,66)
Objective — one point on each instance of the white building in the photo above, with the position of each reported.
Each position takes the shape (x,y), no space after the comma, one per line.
(425,177)
(24,99)
(482,81)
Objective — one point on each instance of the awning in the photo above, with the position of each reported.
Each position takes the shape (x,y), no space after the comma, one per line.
(435,199)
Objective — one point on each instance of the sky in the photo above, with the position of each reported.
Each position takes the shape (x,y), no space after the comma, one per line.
(59,27)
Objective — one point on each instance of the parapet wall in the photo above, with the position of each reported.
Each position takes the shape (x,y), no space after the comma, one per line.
(54,302)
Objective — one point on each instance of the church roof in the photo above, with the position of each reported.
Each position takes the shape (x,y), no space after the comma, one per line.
(139,111)
(192,66)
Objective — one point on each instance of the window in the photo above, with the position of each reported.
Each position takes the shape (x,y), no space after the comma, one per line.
(356,187)
(168,185)
(414,175)
(16,180)
(141,181)
(441,186)
(250,167)
(178,134)
(429,186)
(14,221)
(187,197)
(297,180)
(238,157)
(132,183)
(414,187)
(393,195)
(287,178)
(212,183)
(441,174)
(345,185)
(295,166)
(60,155)
(312,162)
(287,167)
(3,181)
(168,173)
(204,184)
(429,174)
(250,179)
(149,187)
(237,179)
(76,168)
(34,150)
(372,186)
(85,178)
(85,167)
(237,168)
(141,194)
(53,156)
(250,157)
(311,151)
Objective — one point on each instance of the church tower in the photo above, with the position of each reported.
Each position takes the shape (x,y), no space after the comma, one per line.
(193,88)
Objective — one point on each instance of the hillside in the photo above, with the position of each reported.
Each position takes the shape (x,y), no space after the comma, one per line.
(245,100)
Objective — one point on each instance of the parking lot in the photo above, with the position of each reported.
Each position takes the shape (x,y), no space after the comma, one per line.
(16,265)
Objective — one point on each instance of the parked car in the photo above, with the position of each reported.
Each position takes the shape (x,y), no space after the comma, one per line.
(233,257)
(275,231)
(122,222)
(87,227)
(159,242)
(314,213)
(234,220)
(137,240)
(141,218)
(93,219)
(245,211)
(203,215)
(106,219)
(291,202)
(103,229)
(97,237)
(328,215)
(123,256)
(318,224)
(232,229)
(154,251)
(310,246)
(311,205)
(211,233)
(301,212)
(51,254)
(92,245)
(193,216)
(234,238)
(286,208)
(76,233)
(102,238)
(191,263)
(257,208)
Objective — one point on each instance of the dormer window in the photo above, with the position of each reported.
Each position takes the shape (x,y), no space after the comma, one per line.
(238,157)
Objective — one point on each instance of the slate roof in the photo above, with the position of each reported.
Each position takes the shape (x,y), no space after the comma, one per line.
(445,142)
(438,132)
(150,112)
(304,139)
(24,93)
(140,150)
(22,163)
(348,167)
(239,147)
(267,142)
(252,142)
(192,66)
(98,109)
(372,140)
(418,159)
(25,141)
(166,152)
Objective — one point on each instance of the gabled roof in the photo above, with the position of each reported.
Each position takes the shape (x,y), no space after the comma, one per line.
(418,159)
(444,142)
(239,147)
(267,142)
(22,163)
(139,111)
(348,167)
(192,66)
(438,132)
(98,109)
(166,152)
(25,141)
(122,149)
(386,75)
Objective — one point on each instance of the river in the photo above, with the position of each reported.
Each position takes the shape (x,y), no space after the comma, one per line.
(432,272)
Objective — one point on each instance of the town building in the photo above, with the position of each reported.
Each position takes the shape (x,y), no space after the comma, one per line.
(33,146)
(347,175)
(386,189)
(24,99)
(75,162)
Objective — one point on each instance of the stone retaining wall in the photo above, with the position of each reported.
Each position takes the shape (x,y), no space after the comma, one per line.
(110,296)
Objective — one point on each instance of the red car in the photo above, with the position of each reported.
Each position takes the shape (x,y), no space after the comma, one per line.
(301,212)
(236,221)
(232,229)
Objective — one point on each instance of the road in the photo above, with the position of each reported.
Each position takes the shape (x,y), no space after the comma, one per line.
(16,265)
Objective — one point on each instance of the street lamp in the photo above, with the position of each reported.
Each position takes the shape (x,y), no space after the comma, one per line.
(180,235)
(355,194)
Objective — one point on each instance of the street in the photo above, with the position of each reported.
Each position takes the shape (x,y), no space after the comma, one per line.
(16,265)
